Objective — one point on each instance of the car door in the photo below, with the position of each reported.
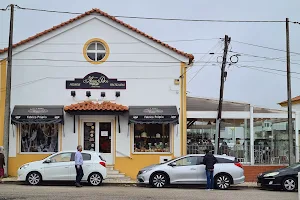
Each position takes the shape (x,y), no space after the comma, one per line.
(58,167)
(185,170)
(202,171)
(87,166)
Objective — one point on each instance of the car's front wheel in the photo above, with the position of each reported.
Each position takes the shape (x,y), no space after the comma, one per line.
(159,180)
(34,178)
(289,184)
(222,182)
(95,179)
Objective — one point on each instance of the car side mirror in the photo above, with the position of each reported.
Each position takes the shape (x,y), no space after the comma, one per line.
(47,161)
(173,164)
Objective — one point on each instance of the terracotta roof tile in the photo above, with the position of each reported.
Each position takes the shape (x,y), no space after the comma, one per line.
(297,98)
(92,106)
(95,10)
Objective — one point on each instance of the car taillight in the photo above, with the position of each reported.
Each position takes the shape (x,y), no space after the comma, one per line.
(102,163)
(239,164)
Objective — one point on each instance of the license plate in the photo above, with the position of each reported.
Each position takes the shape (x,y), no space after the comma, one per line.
(259,184)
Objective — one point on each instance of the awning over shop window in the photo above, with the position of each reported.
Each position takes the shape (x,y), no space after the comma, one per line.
(153,114)
(37,114)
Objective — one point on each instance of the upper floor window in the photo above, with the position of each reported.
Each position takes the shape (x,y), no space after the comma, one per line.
(96,51)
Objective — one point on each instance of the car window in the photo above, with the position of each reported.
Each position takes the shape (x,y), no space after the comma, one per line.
(187,161)
(62,157)
(224,160)
(86,156)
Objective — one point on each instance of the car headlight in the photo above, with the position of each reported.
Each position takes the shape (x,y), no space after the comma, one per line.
(271,174)
(24,166)
(144,171)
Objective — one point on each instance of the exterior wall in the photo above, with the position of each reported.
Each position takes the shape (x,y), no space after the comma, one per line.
(149,73)
(251,172)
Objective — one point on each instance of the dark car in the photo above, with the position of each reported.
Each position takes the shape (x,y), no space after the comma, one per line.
(284,178)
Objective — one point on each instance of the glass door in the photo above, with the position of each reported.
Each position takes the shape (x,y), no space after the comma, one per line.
(105,141)
(89,136)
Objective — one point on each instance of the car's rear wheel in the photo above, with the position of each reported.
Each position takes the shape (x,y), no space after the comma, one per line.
(34,178)
(289,184)
(95,179)
(159,180)
(222,182)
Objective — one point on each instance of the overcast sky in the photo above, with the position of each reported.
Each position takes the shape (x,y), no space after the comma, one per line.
(253,85)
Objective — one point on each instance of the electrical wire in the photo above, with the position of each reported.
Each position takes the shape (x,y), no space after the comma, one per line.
(208,52)
(82,61)
(268,58)
(137,42)
(204,65)
(270,72)
(272,69)
(159,18)
(66,78)
(270,48)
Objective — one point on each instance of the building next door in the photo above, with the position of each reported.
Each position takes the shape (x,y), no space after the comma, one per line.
(98,136)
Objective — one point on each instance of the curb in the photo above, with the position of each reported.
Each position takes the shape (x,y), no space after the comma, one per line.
(126,185)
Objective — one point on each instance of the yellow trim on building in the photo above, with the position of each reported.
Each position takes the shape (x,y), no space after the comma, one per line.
(183,109)
(2,98)
(106,49)
(60,137)
(79,131)
(115,140)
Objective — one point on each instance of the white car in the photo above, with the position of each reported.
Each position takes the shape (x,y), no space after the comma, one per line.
(61,167)
(190,169)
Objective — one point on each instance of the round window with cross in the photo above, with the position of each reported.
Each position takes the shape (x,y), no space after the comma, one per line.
(96,51)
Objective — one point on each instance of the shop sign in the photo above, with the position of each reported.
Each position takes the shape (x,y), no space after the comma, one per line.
(153,111)
(95,80)
(37,110)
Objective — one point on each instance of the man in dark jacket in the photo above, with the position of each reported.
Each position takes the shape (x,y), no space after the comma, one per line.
(209,161)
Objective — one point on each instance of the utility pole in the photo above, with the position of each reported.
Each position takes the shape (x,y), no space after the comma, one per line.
(8,89)
(223,76)
(289,93)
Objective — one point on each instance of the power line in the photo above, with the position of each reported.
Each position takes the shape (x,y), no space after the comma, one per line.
(270,72)
(271,48)
(272,69)
(268,58)
(82,61)
(216,45)
(66,78)
(159,18)
(200,69)
(137,42)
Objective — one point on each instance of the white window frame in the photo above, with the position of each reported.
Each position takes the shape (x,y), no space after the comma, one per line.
(59,135)
(171,138)
(96,51)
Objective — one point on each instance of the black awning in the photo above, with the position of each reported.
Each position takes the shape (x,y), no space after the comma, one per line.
(37,114)
(153,114)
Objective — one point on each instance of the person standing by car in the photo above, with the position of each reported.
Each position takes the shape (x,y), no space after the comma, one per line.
(209,161)
(78,166)
(2,163)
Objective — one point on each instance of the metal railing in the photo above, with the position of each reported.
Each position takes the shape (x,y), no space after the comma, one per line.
(262,154)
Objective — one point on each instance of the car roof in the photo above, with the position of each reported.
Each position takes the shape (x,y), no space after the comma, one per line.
(84,151)
(217,156)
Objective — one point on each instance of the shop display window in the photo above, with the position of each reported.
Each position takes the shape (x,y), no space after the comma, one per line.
(151,138)
(39,137)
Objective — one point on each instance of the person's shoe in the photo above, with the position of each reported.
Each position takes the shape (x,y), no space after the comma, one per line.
(78,185)
(207,189)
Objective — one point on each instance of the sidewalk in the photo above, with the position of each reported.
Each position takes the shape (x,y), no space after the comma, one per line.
(120,182)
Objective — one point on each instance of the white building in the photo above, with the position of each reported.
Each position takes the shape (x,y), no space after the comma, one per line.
(101,83)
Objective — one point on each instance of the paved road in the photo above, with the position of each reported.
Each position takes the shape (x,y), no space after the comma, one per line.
(24,192)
